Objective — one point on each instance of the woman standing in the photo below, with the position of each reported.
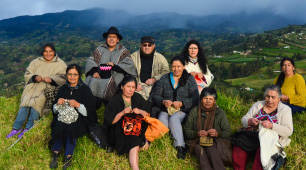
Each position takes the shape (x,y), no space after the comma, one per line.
(176,93)
(123,118)
(196,64)
(292,86)
(45,71)
(79,97)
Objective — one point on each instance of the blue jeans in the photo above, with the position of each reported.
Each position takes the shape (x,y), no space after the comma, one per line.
(174,124)
(69,145)
(22,116)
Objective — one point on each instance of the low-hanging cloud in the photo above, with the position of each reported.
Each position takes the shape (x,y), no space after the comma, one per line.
(292,9)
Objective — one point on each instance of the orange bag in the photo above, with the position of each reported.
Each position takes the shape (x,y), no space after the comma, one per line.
(156,129)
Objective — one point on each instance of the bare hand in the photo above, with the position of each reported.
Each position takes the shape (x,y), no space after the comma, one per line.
(267,124)
(200,75)
(38,79)
(202,133)
(145,147)
(74,103)
(254,121)
(177,104)
(137,111)
(96,75)
(47,79)
(212,133)
(167,103)
(110,64)
(193,73)
(61,101)
(284,98)
(139,88)
(127,110)
(151,81)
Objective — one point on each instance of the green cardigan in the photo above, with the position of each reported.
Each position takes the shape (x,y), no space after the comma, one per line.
(221,124)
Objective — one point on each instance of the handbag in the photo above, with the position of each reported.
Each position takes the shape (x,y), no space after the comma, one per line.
(97,134)
(50,93)
(246,138)
(224,148)
(156,129)
(67,114)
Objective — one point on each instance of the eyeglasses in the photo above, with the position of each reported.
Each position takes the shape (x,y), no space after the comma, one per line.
(193,48)
(70,74)
(147,45)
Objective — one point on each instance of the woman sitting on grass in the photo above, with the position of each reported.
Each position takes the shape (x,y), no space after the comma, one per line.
(124,121)
(45,71)
(207,121)
(176,93)
(292,86)
(73,111)
(274,120)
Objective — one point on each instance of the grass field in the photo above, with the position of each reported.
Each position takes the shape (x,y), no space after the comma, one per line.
(32,152)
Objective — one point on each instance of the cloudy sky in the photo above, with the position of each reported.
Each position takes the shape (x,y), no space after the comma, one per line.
(291,8)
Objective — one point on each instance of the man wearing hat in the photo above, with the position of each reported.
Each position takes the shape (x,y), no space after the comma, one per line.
(150,66)
(107,66)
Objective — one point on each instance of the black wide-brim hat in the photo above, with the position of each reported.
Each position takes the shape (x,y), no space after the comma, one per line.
(112,30)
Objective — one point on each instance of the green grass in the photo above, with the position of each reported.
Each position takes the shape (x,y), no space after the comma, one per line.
(32,152)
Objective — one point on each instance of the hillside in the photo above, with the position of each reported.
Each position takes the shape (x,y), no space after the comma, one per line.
(98,17)
(32,152)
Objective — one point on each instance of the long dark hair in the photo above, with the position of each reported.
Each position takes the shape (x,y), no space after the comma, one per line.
(281,77)
(185,75)
(128,78)
(48,45)
(202,60)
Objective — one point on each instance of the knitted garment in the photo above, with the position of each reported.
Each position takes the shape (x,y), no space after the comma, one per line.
(268,139)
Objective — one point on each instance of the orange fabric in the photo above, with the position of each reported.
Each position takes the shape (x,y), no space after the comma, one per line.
(156,129)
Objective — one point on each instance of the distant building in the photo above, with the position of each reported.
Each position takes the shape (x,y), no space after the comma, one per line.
(287,47)
(218,56)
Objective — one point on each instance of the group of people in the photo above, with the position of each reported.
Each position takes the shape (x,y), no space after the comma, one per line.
(130,86)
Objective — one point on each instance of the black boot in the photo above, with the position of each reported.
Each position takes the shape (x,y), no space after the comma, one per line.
(181,153)
(67,162)
(54,161)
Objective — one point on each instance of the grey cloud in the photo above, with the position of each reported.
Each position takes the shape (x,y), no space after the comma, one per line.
(293,8)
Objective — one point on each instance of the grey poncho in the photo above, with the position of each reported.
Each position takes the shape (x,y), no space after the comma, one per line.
(106,88)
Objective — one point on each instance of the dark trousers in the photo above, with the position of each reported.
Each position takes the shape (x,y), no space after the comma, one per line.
(209,157)
(240,158)
(69,145)
(295,109)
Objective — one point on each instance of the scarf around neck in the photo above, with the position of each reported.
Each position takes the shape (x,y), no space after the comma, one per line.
(80,83)
(209,121)
(193,60)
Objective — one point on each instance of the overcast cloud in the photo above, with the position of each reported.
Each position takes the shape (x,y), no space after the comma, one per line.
(291,8)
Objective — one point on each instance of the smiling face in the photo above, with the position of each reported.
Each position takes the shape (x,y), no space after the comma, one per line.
(48,54)
(147,48)
(177,68)
(128,89)
(73,77)
(272,99)
(193,50)
(112,40)
(288,68)
(208,101)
